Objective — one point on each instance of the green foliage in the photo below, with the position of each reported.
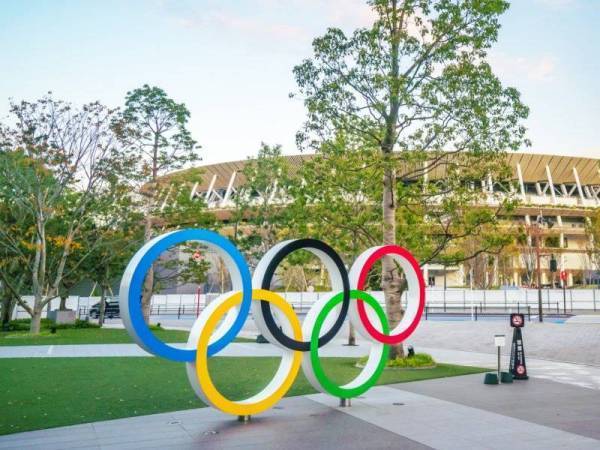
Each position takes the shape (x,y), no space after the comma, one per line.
(336,195)
(154,127)
(407,120)
(412,362)
(85,334)
(417,79)
(259,216)
(552,241)
(419,360)
(61,172)
(47,324)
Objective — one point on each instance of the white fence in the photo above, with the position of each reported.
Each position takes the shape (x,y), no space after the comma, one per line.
(450,299)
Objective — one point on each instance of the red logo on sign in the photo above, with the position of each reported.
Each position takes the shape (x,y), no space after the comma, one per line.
(563,275)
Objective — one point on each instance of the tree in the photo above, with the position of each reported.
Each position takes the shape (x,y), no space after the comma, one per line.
(114,241)
(593,245)
(260,206)
(442,221)
(154,128)
(16,242)
(416,87)
(66,157)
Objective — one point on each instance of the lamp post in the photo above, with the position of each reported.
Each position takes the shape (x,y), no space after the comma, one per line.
(535,230)
(538,230)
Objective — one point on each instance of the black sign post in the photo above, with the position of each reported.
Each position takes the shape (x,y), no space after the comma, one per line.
(518,368)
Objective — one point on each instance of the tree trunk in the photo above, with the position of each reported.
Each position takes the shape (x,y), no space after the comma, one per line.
(351,334)
(7,308)
(63,303)
(102,305)
(391,278)
(36,321)
(149,281)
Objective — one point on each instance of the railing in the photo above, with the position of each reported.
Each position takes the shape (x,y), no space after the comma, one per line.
(509,300)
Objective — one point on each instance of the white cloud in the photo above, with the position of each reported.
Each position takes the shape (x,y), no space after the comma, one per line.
(274,18)
(542,68)
(557,3)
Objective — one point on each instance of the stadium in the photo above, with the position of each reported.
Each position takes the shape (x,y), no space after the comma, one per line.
(564,191)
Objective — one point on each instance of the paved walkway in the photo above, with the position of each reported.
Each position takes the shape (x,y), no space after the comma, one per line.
(451,413)
(574,342)
(568,342)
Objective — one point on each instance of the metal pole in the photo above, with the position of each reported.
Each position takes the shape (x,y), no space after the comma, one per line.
(564,297)
(571,297)
(472,316)
(444,298)
(498,364)
(539,275)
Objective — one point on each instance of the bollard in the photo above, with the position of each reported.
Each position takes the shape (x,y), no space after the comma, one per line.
(244,419)
(506,377)
(345,403)
(491,378)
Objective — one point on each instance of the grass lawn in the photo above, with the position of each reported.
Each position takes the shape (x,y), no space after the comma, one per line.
(49,392)
(88,336)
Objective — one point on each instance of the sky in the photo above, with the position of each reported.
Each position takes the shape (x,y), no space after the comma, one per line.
(230,62)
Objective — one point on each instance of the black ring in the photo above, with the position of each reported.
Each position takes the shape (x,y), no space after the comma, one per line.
(282,338)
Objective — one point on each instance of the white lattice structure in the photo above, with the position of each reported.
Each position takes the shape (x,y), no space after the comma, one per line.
(566,189)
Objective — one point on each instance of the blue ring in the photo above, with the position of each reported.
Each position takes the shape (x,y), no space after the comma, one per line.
(155,345)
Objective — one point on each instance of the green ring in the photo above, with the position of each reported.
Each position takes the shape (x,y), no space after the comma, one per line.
(325,382)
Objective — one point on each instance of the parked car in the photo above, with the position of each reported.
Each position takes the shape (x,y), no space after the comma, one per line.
(111,310)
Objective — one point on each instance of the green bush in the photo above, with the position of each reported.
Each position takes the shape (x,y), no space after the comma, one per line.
(78,324)
(409,362)
(419,360)
(47,324)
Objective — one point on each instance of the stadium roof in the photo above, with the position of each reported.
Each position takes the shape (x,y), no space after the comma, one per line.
(534,168)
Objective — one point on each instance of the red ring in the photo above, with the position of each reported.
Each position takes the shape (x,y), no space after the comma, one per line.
(386,250)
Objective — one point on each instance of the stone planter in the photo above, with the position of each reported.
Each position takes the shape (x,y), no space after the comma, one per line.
(60,317)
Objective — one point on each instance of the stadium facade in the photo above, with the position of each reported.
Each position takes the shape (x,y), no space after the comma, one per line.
(564,190)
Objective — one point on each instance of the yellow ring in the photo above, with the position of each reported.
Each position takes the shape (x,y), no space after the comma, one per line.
(244,407)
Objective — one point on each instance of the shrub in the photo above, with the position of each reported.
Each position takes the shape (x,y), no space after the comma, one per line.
(419,360)
(47,324)
(409,362)
(78,324)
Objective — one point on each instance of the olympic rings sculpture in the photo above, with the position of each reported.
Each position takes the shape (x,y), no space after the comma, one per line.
(223,318)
